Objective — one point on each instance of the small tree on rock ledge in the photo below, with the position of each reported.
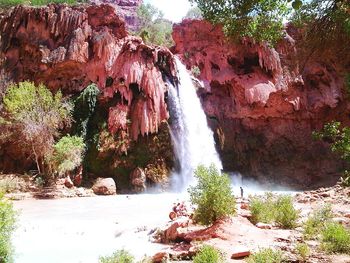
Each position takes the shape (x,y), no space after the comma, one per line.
(212,195)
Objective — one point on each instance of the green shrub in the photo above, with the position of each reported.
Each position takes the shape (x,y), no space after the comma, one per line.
(68,154)
(7,226)
(262,208)
(268,209)
(212,195)
(8,3)
(335,238)
(303,251)
(196,71)
(266,255)
(121,256)
(208,254)
(316,222)
(8,185)
(286,214)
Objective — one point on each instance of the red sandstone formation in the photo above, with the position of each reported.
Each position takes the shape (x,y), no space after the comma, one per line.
(126,9)
(69,47)
(263,105)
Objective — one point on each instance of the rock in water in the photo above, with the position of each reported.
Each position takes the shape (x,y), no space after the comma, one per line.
(138,180)
(104,186)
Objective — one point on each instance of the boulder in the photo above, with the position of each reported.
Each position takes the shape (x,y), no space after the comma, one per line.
(104,186)
(68,182)
(240,253)
(160,257)
(175,232)
(138,180)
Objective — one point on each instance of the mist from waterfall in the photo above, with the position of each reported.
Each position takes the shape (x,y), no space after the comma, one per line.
(192,139)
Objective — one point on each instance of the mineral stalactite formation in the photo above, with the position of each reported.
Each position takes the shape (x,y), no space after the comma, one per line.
(69,47)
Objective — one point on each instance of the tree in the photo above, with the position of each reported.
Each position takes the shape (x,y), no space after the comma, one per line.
(154,28)
(194,13)
(212,195)
(32,118)
(263,20)
(339,139)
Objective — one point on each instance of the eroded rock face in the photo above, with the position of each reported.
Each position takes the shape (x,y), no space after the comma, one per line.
(127,9)
(68,48)
(263,106)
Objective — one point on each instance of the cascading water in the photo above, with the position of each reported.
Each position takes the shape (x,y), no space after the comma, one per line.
(192,139)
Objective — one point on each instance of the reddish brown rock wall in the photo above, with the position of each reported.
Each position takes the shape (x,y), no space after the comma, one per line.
(263,106)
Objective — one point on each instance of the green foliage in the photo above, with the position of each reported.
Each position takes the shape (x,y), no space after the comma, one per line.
(84,108)
(68,154)
(154,28)
(286,214)
(208,254)
(195,70)
(7,227)
(317,221)
(212,195)
(325,22)
(194,13)
(258,19)
(339,139)
(303,251)
(33,118)
(335,238)
(270,209)
(8,185)
(121,256)
(8,3)
(266,255)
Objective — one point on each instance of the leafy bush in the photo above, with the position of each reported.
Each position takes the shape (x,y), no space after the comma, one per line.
(33,117)
(335,238)
(262,208)
(270,209)
(68,154)
(303,251)
(286,214)
(266,255)
(208,254)
(7,226)
(121,256)
(212,195)
(317,221)
(8,185)
(194,13)
(196,71)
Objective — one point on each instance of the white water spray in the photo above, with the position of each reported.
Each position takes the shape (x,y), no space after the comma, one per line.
(192,139)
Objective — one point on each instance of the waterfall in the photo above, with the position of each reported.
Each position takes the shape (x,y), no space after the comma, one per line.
(192,138)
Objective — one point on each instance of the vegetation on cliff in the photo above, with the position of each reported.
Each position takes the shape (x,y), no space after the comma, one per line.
(339,139)
(324,21)
(154,28)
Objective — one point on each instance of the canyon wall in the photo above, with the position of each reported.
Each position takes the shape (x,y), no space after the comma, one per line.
(264,104)
(68,48)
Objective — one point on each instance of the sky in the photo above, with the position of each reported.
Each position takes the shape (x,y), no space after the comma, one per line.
(173,10)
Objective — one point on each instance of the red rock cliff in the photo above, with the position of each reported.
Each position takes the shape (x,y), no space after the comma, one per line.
(69,47)
(262,107)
